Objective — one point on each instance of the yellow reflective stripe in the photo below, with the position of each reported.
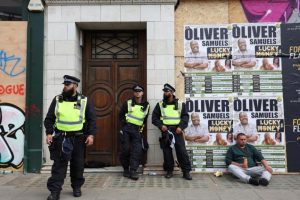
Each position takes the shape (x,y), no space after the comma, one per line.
(129,103)
(82,109)
(166,118)
(56,108)
(146,111)
(133,117)
(162,110)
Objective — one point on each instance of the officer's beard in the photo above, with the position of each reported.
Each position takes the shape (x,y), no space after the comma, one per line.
(165,97)
(68,93)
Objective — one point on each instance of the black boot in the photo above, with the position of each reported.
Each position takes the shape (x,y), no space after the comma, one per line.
(76,192)
(126,173)
(54,196)
(187,176)
(134,175)
(169,174)
(263,181)
(254,181)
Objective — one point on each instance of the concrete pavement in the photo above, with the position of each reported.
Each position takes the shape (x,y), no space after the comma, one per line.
(111,186)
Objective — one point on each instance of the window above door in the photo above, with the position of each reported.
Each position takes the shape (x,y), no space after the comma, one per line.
(114,45)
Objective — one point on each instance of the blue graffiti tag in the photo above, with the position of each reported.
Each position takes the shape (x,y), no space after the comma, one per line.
(4,60)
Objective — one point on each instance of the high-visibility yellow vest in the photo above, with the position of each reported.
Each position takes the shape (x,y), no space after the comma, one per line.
(169,115)
(69,116)
(135,114)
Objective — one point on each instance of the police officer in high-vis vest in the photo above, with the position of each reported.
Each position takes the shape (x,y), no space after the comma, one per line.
(133,116)
(171,117)
(70,126)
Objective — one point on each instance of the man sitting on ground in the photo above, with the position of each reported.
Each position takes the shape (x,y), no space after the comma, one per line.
(241,159)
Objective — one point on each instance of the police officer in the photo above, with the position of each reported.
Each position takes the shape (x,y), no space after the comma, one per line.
(133,116)
(70,126)
(171,117)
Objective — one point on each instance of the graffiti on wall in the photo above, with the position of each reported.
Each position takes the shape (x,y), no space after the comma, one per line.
(12,120)
(12,94)
(286,11)
(10,64)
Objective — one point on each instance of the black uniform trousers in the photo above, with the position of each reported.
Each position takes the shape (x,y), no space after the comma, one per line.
(180,149)
(60,165)
(131,147)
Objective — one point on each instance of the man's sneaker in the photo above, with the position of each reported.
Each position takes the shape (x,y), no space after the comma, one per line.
(253,181)
(77,192)
(126,173)
(134,175)
(169,174)
(263,181)
(54,196)
(187,176)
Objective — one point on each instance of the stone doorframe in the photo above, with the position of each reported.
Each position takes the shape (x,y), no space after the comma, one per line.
(64,20)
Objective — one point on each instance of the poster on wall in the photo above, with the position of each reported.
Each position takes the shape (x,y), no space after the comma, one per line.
(291,90)
(255,59)
(207,64)
(216,122)
(210,132)
(247,97)
(12,94)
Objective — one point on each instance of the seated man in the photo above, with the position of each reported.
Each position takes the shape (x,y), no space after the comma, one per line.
(241,159)
(196,132)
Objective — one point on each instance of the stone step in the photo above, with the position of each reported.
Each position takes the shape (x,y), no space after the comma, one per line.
(46,169)
(156,169)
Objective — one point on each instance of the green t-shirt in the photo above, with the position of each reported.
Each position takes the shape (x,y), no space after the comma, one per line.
(237,154)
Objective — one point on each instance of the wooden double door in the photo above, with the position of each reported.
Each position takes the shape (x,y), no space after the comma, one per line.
(113,61)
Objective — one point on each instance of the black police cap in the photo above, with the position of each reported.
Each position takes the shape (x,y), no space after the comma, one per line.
(168,87)
(71,79)
(138,88)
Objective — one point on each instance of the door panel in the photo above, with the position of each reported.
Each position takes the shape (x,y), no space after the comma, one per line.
(107,83)
(100,91)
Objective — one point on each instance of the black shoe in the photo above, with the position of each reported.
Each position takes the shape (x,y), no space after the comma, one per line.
(77,192)
(134,175)
(169,174)
(263,181)
(254,181)
(126,173)
(54,196)
(187,176)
